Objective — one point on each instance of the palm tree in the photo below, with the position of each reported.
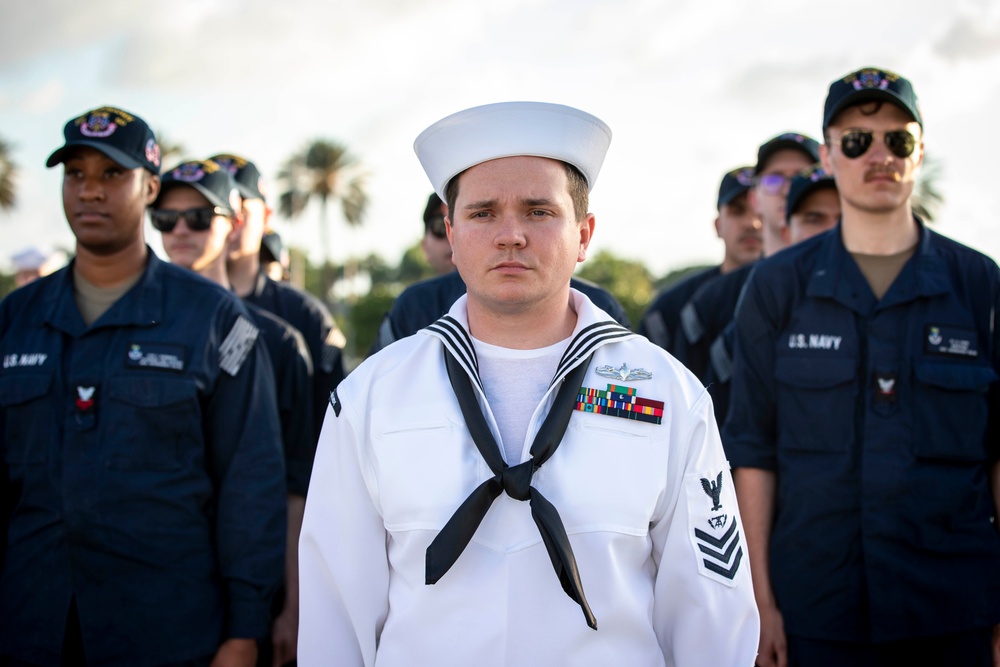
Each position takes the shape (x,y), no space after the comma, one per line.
(324,171)
(927,198)
(8,174)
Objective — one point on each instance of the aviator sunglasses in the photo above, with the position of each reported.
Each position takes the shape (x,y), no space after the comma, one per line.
(855,143)
(197,219)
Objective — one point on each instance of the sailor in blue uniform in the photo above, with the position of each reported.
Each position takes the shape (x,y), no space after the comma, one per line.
(142,483)
(863,429)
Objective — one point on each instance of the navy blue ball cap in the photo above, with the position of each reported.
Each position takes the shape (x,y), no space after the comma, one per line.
(734,183)
(272,249)
(787,141)
(870,85)
(122,136)
(248,179)
(804,184)
(208,178)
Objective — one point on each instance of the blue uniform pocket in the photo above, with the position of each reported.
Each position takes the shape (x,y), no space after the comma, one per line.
(150,421)
(815,403)
(27,417)
(951,409)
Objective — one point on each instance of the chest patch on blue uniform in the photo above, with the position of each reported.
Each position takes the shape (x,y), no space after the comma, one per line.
(17,360)
(812,341)
(161,356)
(237,345)
(885,387)
(951,342)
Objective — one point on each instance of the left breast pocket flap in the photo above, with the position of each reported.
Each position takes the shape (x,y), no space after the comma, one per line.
(426,465)
(152,422)
(29,419)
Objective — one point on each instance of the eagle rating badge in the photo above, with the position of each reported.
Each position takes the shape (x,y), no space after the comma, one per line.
(713,528)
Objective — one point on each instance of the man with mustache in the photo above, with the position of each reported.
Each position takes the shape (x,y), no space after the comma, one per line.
(525,482)
(739,228)
(865,437)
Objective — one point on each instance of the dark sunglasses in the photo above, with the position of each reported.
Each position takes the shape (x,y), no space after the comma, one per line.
(854,143)
(436,227)
(773,184)
(197,219)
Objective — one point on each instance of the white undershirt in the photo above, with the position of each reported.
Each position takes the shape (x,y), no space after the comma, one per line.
(515,381)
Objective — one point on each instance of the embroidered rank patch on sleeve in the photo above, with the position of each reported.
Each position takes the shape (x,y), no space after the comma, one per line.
(237,345)
(713,528)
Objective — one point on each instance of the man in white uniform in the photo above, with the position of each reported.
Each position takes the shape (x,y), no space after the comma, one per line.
(416,546)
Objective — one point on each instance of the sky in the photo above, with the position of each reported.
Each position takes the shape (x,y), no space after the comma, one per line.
(690,89)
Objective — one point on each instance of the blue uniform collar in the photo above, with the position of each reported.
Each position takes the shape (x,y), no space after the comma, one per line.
(837,276)
(140,306)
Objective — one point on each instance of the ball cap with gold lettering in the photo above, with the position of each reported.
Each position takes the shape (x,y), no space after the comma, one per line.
(120,135)
(870,84)
(508,129)
(207,177)
(248,179)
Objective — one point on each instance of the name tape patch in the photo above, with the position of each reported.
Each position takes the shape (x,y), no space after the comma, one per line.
(951,342)
(160,356)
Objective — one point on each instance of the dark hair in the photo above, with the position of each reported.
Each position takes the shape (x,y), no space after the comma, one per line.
(576,184)
(432,210)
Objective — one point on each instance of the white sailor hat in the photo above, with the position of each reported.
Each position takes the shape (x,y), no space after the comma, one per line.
(476,135)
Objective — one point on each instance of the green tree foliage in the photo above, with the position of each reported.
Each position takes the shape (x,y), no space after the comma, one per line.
(6,284)
(8,174)
(678,275)
(927,198)
(361,324)
(413,266)
(629,280)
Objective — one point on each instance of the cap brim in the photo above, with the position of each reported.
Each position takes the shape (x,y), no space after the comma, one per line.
(212,198)
(783,145)
(731,195)
(247,192)
(792,204)
(115,154)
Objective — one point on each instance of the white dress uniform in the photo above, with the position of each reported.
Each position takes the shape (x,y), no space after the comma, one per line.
(649,509)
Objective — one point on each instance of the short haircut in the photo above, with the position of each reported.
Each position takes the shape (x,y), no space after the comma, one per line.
(576,184)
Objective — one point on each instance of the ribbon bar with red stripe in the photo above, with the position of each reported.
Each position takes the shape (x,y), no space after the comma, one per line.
(620,401)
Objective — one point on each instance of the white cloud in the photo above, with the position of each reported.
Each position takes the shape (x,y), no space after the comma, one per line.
(690,89)
(44,98)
